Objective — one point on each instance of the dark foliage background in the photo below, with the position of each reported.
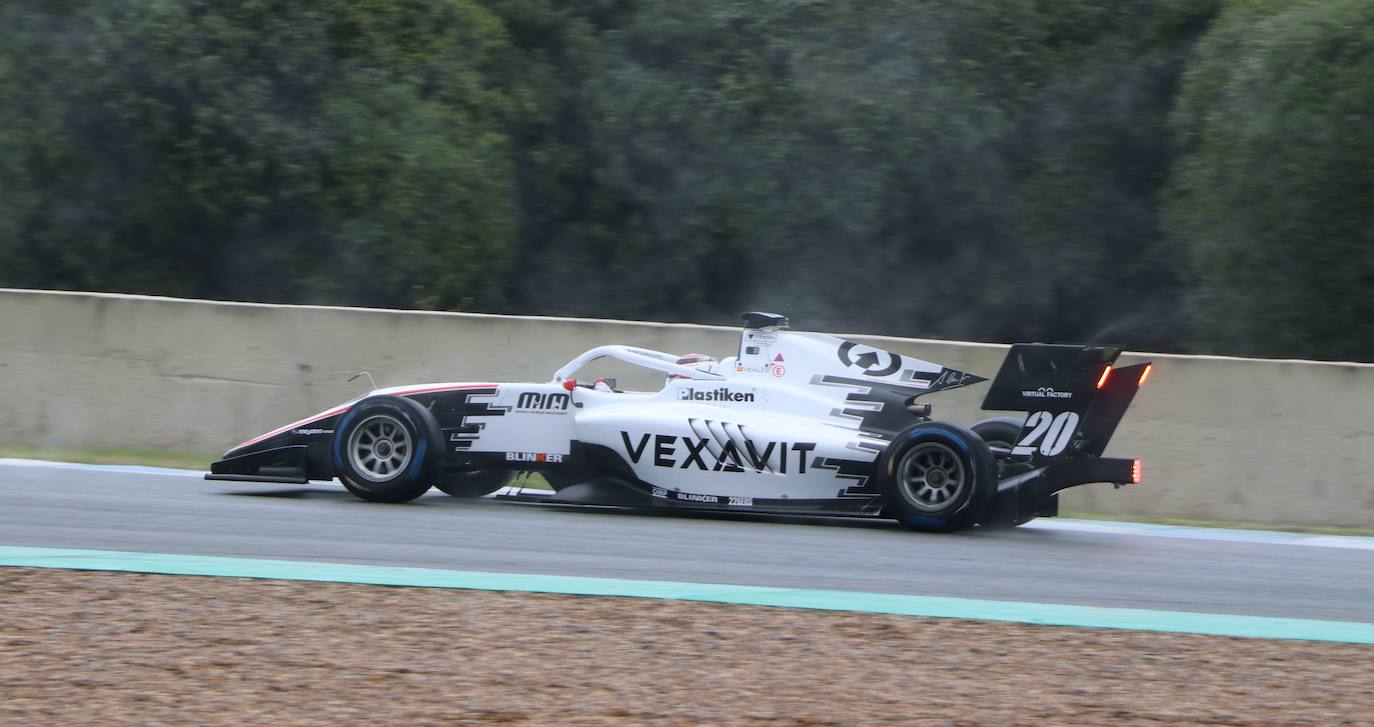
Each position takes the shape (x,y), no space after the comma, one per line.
(1188,175)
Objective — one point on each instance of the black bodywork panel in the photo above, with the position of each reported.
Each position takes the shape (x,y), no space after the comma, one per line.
(1048,377)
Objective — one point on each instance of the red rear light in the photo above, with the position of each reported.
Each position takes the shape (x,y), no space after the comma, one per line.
(570,384)
(1135,472)
(1106,374)
(1144,375)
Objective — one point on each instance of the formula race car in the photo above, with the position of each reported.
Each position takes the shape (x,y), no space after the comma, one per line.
(799,423)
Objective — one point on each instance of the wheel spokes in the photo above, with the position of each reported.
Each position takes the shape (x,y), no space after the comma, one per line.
(379,449)
(929,461)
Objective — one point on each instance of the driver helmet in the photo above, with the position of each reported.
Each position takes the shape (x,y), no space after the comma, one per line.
(699,361)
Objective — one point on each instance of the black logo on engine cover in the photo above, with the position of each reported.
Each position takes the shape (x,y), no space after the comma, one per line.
(869,359)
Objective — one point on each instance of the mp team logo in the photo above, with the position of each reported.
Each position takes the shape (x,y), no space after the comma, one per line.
(541,403)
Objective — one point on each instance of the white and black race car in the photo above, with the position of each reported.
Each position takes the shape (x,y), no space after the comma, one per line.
(793,423)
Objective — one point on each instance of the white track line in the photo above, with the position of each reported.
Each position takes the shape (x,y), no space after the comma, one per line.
(113,468)
(1266,537)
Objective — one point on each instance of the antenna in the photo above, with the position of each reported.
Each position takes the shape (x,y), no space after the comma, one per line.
(369,378)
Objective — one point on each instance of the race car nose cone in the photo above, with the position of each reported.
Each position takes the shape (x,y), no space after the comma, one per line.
(383,448)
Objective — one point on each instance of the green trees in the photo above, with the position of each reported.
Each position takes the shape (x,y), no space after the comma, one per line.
(984,171)
(1272,202)
(1163,174)
(291,151)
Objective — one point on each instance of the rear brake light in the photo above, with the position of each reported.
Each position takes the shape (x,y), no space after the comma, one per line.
(1135,472)
(1144,375)
(1106,374)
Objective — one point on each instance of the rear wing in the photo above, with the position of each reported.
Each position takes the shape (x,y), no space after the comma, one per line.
(1073,396)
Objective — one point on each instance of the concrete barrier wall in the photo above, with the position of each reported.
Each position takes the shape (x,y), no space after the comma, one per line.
(1222,438)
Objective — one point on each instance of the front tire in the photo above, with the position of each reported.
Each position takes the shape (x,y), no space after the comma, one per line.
(937,477)
(386,449)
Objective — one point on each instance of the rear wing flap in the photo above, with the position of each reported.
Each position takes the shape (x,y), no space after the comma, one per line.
(1073,396)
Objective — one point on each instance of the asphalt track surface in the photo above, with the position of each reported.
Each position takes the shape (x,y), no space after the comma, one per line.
(1082,564)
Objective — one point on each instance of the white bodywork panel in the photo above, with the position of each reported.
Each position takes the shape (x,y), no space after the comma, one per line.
(784,418)
(538,418)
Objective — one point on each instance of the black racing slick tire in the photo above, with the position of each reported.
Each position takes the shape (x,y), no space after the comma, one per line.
(999,432)
(387,449)
(937,477)
(475,483)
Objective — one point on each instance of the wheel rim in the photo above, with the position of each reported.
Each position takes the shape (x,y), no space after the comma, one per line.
(931,476)
(380,448)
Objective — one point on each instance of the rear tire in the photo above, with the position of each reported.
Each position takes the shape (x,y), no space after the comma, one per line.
(1000,432)
(476,483)
(937,477)
(386,449)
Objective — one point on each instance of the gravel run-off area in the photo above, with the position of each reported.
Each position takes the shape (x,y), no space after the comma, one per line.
(119,648)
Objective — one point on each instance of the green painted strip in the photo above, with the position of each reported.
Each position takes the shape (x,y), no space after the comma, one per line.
(964,608)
